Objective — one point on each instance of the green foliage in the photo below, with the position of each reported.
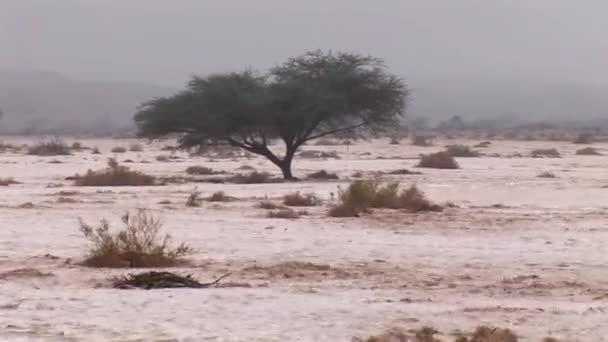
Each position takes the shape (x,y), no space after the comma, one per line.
(308,97)
(138,244)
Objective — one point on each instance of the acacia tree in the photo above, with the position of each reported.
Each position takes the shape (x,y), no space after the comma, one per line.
(311,96)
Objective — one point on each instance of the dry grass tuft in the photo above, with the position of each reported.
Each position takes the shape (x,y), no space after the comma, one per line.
(404,172)
(201,171)
(7,181)
(194,199)
(461,151)
(114,175)
(490,334)
(269,205)
(439,160)
(297,199)
(588,151)
(118,149)
(254,178)
(322,175)
(584,139)
(220,196)
(54,147)
(286,213)
(95,150)
(546,174)
(136,148)
(548,153)
(138,244)
(77,146)
(483,144)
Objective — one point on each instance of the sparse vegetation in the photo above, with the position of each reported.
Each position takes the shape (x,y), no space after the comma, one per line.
(584,139)
(285,213)
(588,151)
(138,244)
(77,146)
(322,175)
(483,144)
(162,158)
(114,175)
(254,178)
(54,147)
(438,160)
(328,142)
(362,195)
(119,149)
(7,181)
(95,150)
(297,199)
(200,170)
(404,172)
(547,152)
(461,151)
(136,148)
(267,205)
(422,140)
(220,196)
(427,334)
(546,174)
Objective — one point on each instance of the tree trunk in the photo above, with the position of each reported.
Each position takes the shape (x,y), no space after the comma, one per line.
(286,169)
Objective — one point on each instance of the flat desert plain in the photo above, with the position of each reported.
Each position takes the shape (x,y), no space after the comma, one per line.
(510,249)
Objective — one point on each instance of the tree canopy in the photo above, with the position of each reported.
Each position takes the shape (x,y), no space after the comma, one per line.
(307,97)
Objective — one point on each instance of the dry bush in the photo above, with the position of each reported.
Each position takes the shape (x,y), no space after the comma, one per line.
(162,158)
(422,140)
(439,160)
(8,147)
(462,151)
(427,334)
(114,175)
(322,175)
(490,334)
(254,178)
(584,138)
(7,181)
(319,154)
(547,152)
(76,146)
(588,151)
(220,196)
(118,149)
(194,199)
(286,213)
(136,148)
(138,244)
(404,172)
(362,195)
(297,199)
(269,205)
(54,147)
(546,174)
(327,142)
(246,167)
(201,171)
(394,141)
(95,150)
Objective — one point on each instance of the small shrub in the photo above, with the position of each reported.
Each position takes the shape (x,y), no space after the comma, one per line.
(483,144)
(584,139)
(394,141)
(588,151)
(138,244)
(220,196)
(548,152)
(254,178)
(95,150)
(194,199)
(285,214)
(439,160)
(327,142)
(76,146)
(310,154)
(462,151)
(246,167)
(269,205)
(296,199)
(200,170)
(422,140)
(114,175)
(404,172)
(546,174)
(136,148)
(119,149)
(162,158)
(489,334)
(343,210)
(329,155)
(322,175)
(54,147)
(7,181)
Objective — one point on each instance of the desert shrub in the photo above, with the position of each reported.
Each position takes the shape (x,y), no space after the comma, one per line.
(285,213)
(404,172)
(483,144)
(322,175)
(357,174)
(394,141)
(76,146)
(95,150)
(310,154)
(438,160)
(462,151)
(162,158)
(329,155)
(200,170)
(220,196)
(194,199)
(254,178)
(546,174)
(584,138)
(297,199)
(136,147)
(588,151)
(138,244)
(246,168)
(422,140)
(327,142)
(114,175)
(119,149)
(343,210)
(269,205)
(490,334)
(547,152)
(7,181)
(54,147)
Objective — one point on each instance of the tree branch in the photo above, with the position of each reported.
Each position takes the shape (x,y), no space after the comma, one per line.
(322,134)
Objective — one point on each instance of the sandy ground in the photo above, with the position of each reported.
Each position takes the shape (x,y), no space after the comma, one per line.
(517,251)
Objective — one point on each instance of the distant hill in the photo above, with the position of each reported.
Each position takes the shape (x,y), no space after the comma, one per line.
(45,102)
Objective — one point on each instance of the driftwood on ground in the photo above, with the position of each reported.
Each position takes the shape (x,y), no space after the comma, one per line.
(161,280)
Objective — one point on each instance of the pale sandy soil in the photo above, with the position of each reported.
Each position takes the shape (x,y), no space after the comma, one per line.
(518,251)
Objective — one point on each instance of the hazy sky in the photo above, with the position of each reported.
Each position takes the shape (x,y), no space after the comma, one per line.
(164,41)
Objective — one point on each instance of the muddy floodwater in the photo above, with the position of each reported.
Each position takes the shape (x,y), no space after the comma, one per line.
(511,249)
